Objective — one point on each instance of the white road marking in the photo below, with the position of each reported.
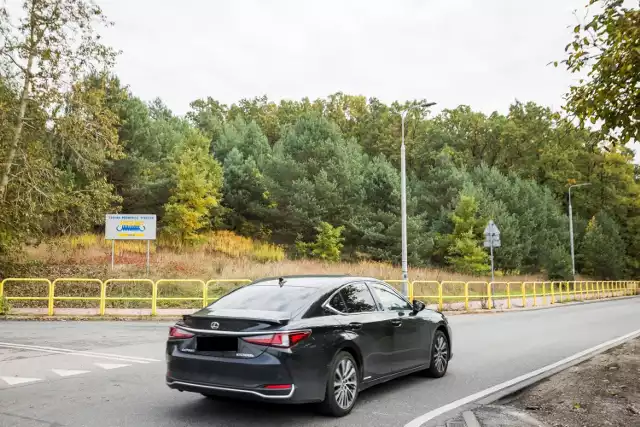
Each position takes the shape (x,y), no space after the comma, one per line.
(110,365)
(68,373)
(132,359)
(419,421)
(18,380)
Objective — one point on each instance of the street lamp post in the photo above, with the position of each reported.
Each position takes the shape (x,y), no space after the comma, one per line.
(573,259)
(403,200)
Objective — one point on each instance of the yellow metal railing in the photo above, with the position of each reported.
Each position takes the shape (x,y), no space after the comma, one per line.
(468,295)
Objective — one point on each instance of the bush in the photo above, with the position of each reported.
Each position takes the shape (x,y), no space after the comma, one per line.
(558,264)
(327,246)
(4,306)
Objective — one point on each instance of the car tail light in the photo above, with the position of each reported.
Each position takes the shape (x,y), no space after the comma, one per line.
(179,334)
(278,386)
(281,339)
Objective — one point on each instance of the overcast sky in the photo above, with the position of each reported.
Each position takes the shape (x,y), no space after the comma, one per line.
(482,53)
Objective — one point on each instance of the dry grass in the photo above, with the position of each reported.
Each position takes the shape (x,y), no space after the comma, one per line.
(222,255)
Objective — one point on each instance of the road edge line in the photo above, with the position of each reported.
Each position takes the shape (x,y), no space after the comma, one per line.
(505,388)
(74,353)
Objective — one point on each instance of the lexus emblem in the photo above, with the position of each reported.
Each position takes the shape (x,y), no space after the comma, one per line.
(215,325)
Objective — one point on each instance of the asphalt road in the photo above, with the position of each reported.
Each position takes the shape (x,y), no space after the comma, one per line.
(108,374)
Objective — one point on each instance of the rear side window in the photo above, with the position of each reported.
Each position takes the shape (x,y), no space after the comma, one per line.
(267,298)
(354,298)
(389,299)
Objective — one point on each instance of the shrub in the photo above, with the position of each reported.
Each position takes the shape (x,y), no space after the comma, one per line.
(5,307)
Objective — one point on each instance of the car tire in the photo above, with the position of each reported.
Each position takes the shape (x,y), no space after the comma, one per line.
(439,356)
(343,384)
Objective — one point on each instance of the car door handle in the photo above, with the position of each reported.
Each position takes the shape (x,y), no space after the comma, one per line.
(355,326)
(396,322)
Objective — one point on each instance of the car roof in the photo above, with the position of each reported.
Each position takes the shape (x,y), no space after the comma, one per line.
(312,281)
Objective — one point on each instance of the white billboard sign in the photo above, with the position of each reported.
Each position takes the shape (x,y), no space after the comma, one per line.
(130,227)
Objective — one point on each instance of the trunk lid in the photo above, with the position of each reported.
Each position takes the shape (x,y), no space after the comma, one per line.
(220,332)
(234,320)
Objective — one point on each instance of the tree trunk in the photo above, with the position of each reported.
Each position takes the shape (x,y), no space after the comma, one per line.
(13,148)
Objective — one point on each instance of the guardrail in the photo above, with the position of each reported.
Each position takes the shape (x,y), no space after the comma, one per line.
(456,295)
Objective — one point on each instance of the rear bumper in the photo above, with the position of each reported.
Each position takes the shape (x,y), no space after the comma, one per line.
(247,378)
(217,390)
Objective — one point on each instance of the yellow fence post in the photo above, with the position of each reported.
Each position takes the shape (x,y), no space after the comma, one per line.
(205,292)
(466,296)
(524,295)
(544,293)
(489,302)
(581,293)
(553,293)
(1,288)
(103,298)
(411,292)
(52,290)
(440,303)
(154,299)
(535,295)
(508,295)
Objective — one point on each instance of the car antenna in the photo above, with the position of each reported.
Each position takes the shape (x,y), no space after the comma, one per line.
(281,281)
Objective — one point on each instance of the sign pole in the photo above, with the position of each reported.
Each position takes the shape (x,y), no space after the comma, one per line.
(492,278)
(148,250)
(113,251)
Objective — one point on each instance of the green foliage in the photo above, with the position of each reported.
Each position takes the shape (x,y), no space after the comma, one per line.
(328,243)
(198,180)
(248,204)
(557,264)
(5,307)
(607,48)
(464,252)
(314,174)
(602,249)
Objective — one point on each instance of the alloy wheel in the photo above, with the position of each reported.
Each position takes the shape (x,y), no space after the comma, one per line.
(441,353)
(345,383)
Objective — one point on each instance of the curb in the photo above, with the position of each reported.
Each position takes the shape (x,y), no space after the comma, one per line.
(523,384)
(544,307)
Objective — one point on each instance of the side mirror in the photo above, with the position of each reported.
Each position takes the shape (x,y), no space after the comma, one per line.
(418,306)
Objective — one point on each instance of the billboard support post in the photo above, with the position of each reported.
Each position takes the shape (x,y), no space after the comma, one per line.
(148,251)
(130,227)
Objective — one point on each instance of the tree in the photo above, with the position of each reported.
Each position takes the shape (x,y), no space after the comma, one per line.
(54,43)
(608,47)
(314,174)
(602,249)
(246,197)
(198,180)
(464,251)
(327,245)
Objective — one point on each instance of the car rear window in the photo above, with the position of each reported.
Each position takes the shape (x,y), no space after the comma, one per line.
(267,298)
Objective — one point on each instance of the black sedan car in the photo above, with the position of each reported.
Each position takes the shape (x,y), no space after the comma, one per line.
(306,339)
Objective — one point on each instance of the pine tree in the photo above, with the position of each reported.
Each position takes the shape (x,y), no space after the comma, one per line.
(602,249)
(464,251)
